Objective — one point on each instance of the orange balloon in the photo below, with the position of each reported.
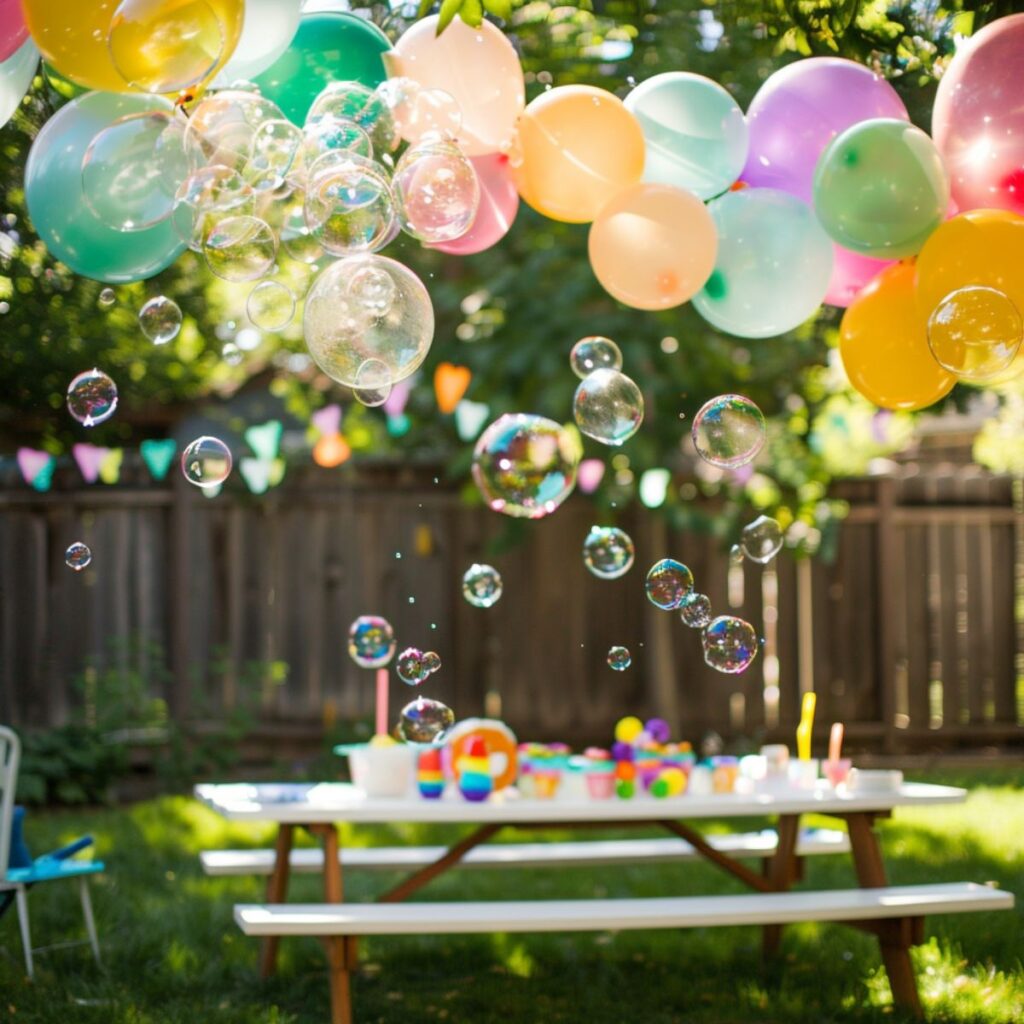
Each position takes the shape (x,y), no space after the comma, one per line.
(883,342)
(653,246)
(575,148)
(451,383)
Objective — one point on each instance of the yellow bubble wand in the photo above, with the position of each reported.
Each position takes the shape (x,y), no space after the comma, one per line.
(803,730)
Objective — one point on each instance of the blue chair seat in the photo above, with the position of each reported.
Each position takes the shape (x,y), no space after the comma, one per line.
(46,869)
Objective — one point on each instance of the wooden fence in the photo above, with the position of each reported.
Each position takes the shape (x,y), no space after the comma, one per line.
(912,635)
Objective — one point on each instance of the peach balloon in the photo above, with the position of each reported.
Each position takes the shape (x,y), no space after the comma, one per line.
(653,246)
(575,148)
(850,273)
(478,67)
(499,203)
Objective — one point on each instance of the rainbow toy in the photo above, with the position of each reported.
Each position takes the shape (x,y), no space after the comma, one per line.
(429,776)
(474,771)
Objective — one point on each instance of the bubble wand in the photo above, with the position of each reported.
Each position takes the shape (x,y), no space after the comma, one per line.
(382,702)
(803,730)
(835,741)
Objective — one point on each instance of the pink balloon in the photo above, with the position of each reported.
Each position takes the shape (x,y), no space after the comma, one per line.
(800,109)
(850,273)
(12,27)
(978,118)
(499,203)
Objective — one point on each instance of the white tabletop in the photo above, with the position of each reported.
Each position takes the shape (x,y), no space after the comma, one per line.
(328,802)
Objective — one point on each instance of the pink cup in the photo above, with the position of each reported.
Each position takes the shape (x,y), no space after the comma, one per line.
(601,785)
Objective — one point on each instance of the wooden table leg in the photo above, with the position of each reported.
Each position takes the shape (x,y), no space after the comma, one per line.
(341,950)
(895,942)
(277,891)
(781,871)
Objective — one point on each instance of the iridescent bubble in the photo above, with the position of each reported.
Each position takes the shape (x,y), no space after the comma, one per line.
(730,644)
(411,666)
(92,397)
(206,462)
(436,190)
(223,125)
(695,611)
(762,539)
(207,197)
(342,334)
(298,240)
(525,465)
(594,353)
(270,306)
(608,407)
(240,248)
(728,431)
(272,152)
(348,204)
(975,332)
(481,585)
(619,658)
(371,641)
(668,584)
(373,384)
(337,135)
(160,320)
(432,661)
(736,555)
(353,101)
(77,556)
(107,298)
(232,354)
(425,720)
(608,552)
(373,289)
(419,113)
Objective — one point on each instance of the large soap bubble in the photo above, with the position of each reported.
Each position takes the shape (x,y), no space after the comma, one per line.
(436,191)
(270,306)
(762,539)
(371,641)
(608,407)
(206,462)
(272,153)
(223,126)
(207,197)
(594,353)
(92,397)
(608,552)
(730,644)
(975,332)
(728,431)
(525,465)
(482,585)
(425,720)
(329,134)
(368,108)
(348,322)
(349,204)
(668,584)
(240,248)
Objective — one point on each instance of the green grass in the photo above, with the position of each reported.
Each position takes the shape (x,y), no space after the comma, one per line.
(173,955)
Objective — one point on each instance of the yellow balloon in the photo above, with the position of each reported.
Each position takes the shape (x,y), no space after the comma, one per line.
(575,148)
(883,342)
(161,46)
(653,246)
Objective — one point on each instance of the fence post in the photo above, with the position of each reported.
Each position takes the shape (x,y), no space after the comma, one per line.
(886,571)
(179,572)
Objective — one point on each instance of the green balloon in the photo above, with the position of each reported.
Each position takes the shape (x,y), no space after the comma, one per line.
(328,47)
(880,189)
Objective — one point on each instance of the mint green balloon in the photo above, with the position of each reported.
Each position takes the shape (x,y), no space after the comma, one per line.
(58,211)
(328,47)
(880,189)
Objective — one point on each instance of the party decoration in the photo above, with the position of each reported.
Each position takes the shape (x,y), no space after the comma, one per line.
(436,191)
(850,273)
(619,658)
(478,66)
(429,774)
(158,456)
(502,751)
(425,720)
(371,641)
(77,556)
(728,431)
(594,353)
(561,159)
(16,73)
(978,118)
(608,407)
(13,32)
(328,419)
(695,134)
(773,265)
(668,583)
(331,450)
(265,439)
(762,539)
(695,611)
(591,473)
(805,730)
(653,246)
(451,383)
(267,31)
(88,458)
(608,552)
(975,333)
(481,585)
(110,465)
(800,109)
(474,771)
(470,418)
(496,211)
(206,462)
(883,342)
(92,397)
(258,473)
(160,319)
(730,644)
(880,189)
(36,468)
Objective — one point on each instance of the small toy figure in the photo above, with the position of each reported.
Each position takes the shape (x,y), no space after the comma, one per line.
(473,771)
(429,776)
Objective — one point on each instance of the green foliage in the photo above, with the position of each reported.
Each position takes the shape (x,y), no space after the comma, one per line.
(72,764)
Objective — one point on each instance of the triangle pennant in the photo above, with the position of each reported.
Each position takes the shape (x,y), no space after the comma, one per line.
(265,439)
(158,456)
(36,467)
(89,457)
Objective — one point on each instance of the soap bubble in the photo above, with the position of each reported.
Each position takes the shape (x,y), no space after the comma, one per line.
(373,289)
(160,320)
(298,240)
(272,151)
(668,584)
(762,539)
(419,113)
(525,465)
(353,101)
(337,136)
(240,248)
(594,353)
(432,661)
(695,611)
(608,552)
(206,198)
(342,333)
(270,306)
(619,658)
(736,555)
(373,384)
(77,556)
(425,720)
(206,462)
(975,332)
(608,407)
(411,666)
(232,354)
(92,397)
(481,585)
(728,431)
(107,298)
(348,204)
(436,190)
(371,641)
(223,126)
(730,644)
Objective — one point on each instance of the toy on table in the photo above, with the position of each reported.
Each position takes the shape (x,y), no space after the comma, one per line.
(804,770)
(502,749)
(836,768)
(670,782)
(540,769)
(429,774)
(645,760)
(725,770)
(473,771)
(600,773)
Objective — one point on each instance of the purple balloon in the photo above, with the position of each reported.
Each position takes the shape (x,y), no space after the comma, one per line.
(800,109)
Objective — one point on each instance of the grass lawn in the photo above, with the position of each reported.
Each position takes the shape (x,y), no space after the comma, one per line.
(172,953)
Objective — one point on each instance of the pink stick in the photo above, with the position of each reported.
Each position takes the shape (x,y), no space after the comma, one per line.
(382,702)
(835,741)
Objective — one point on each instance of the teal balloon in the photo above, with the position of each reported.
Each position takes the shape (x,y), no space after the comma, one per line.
(773,266)
(880,189)
(695,134)
(158,456)
(16,74)
(53,190)
(327,48)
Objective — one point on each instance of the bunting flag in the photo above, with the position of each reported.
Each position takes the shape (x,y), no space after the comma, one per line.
(265,439)
(327,420)
(158,456)
(110,465)
(399,426)
(590,475)
(331,450)
(36,467)
(394,404)
(261,474)
(89,457)
(470,418)
(451,383)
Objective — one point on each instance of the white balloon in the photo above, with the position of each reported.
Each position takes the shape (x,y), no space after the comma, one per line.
(267,31)
(16,74)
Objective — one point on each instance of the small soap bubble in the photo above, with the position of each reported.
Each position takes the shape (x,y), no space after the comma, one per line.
(107,298)
(373,289)
(728,431)
(730,644)
(594,353)
(619,658)
(975,332)
(608,552)
(77,556)
(232,354)
(241,248)
(608,407)
(762,539)
(668,584)
(160,320)
(206,462)
(270,306)
(371,641)
(425,720)
(432,660)
(736,555)
(411,666)
(481,585)
(373,383)
(92,397)
(695,611)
